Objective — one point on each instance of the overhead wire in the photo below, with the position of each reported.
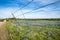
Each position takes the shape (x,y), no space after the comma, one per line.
(23,6)
(23,13)
(40,7)
(21,9)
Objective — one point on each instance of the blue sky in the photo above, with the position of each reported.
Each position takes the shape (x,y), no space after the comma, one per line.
(30,8)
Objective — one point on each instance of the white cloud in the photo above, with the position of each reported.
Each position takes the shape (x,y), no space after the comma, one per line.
(46,1)
(6,12)
(42,13)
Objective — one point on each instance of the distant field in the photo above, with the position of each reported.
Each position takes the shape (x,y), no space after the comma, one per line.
(33,29)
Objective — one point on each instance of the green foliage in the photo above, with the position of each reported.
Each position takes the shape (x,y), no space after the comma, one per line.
(31,32)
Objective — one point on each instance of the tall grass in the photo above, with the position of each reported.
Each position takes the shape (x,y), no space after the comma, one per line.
(30,32)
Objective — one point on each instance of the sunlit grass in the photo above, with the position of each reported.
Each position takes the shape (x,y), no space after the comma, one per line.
(31,32)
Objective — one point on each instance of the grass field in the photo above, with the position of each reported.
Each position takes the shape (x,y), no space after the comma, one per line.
(30,29)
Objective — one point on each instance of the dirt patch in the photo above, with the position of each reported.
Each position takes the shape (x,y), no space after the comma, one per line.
(3,30)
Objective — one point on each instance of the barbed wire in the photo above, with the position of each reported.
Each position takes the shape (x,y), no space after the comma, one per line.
(21,8)
(33,9)
(40,7)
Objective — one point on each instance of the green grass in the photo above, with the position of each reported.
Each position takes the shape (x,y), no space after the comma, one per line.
(31,32)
